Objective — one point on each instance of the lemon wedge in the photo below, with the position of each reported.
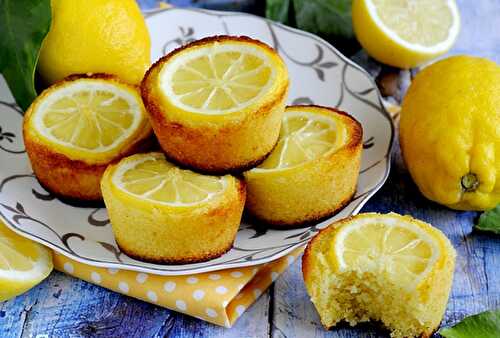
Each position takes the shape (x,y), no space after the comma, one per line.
(89,118)
(23,263)
(405,33)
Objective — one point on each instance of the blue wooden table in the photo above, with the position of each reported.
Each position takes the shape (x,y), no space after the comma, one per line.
(63,306)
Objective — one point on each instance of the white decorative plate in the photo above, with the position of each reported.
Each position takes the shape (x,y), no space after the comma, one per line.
(319,74)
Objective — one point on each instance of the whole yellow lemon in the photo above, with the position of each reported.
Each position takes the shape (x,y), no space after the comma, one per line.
(450,132)
(97,36)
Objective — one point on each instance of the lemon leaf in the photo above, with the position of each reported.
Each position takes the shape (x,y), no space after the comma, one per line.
(490,221)
(23,26)
(325,17)
(484,325)
(278,10)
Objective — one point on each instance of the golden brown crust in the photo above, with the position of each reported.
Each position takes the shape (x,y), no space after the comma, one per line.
(215,148)
(308,220)
(75,179)
(202,257)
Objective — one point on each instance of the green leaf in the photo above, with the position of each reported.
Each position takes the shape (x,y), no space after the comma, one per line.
(23,26)
(278,10)
(329,18)
(490,221)
(484,325)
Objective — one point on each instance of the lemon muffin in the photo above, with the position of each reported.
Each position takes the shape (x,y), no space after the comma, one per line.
(390,268)
(79,125)
(312,172)
(160,213)
(216,104)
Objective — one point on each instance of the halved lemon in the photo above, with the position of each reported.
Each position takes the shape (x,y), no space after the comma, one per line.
(389,268)
(78,126)
(23,263)
(405,33)
(313,170)
(162,213)
(216,104)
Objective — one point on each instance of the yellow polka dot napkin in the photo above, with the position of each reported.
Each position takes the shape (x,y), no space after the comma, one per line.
(218,297)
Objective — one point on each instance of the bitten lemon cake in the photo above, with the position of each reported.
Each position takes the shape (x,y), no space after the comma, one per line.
(216,104)
(313,170)
(390,268)
(76,127)
(163,214)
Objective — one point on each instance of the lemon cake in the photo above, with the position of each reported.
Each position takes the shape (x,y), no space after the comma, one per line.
(385,267)
(312,172)
(76,127)
(216,104)
(161,213)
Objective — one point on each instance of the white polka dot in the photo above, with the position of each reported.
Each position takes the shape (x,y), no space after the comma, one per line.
(123,286)
(224,303)
(96,278)
(113,271)
(257,292)
(236,274)
(192,280)
(152,296)
(221,290)
(240,309)
(68,267)
(290,259)
(214,276)
(274,276)
(211,312)
(181,305)
(198,294)
(141,278)
(169,286)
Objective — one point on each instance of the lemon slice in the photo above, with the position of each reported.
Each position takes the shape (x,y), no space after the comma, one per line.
(305,136)
(23,263)
(89,118)
(402,250)
(406,33)
(220,77)
(152,178)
